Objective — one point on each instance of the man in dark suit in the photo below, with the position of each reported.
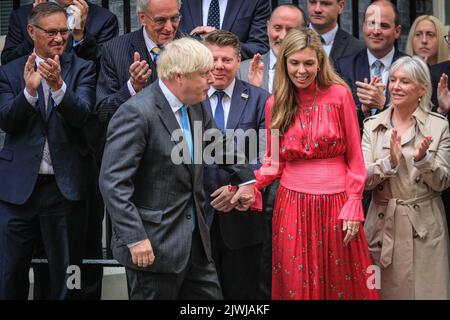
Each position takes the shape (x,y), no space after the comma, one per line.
(238,109)
(45,101)
(367,72)
(323,16)
(246,19)
(260,70)
(94,26)
(153,184)
(128,63)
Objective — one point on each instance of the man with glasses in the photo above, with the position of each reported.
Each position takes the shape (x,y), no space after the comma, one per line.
(45,100)
(90,26)
(128,63)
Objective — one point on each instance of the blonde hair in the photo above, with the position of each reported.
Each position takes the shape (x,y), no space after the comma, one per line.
(183,56)
(285,102)
(417,70)
(442,53)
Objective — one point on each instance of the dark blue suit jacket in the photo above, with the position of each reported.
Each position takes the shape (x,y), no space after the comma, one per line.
(101,26)
(117,56)
(356,68)
(246,112)
(26,130)
(246,19)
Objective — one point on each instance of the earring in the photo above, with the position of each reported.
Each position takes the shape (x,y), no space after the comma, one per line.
(420,99)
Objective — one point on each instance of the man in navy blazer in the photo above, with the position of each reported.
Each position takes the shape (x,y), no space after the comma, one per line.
(45,101)
(246,19)
(359,70)
(97,25)
(236,106)
(128,63)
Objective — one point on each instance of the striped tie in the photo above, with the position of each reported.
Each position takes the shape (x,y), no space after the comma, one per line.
(155,53)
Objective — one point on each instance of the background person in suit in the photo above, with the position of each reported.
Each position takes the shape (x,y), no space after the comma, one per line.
(246,19)
(128,63)
(96,26)
(155,199)
(427,40)
(45,100)
(323,16)
(236,237)
(367,81)
(260,70)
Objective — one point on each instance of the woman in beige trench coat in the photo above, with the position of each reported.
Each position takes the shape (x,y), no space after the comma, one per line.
(407,153)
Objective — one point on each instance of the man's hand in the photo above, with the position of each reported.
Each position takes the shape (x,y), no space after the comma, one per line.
(202,31)
(80,10)
(139,72)
(371,95)
(32,78)
(396,149)
(256,71)
(244,197)
(36,2)
(443,95)
(50,71)
(142,254)
(421,150)
(352,228)
(222,198)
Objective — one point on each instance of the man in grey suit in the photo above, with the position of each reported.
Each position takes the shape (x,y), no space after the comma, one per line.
(154,191)
(260,70)
(323,16)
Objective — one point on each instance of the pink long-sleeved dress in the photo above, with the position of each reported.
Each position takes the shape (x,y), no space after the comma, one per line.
(322,175)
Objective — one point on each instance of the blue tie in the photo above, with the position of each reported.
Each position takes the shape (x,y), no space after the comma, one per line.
(219,115)
(155,53)
(188,137)
(377,72)
(214,14)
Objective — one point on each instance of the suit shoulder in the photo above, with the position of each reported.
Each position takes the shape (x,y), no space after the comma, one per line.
(120,41)
(100,12)
(254,90)
(15,65)
(368,119)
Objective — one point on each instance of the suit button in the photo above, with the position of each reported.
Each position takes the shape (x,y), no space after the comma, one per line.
(381,215)
(188,217)
(418,179)
(380,188)
(415,234)
(379,244)
(416,207)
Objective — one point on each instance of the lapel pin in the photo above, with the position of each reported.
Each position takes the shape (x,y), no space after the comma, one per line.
(244,96)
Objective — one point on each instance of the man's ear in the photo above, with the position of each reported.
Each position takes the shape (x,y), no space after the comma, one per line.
(30,30)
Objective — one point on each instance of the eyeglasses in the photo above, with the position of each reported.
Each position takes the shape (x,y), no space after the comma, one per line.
(447,38)
(161,21)
(54,32)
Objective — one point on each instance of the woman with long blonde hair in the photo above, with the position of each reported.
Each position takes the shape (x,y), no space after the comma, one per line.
(426,39)
(319,250)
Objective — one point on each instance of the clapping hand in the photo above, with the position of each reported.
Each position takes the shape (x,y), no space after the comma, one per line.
(256,71)
(371,95)
(36,2)
(421,150)
(32,78)
(396,148)
(139,72)
(443,95)
(80,10)
(50,70)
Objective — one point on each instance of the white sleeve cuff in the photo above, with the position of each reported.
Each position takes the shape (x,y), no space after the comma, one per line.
(131,245)
(387,168)
(424,160)
(130,88)
(246,183)
(58,95)
(31,100)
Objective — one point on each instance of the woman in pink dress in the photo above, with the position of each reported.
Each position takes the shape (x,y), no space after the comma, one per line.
(319,250)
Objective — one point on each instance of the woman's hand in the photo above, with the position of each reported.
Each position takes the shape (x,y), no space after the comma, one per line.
(396,148)
(422,148)
(352,228)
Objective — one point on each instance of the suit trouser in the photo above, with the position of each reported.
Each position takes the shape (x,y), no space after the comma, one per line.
(48,222)
(198,281)
(238,269)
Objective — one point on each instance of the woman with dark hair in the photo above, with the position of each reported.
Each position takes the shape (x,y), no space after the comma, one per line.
(319,250)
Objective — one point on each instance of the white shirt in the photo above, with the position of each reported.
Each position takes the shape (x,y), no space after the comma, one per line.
(149,44)
(174,103)
(328,38)
(205,10)
(57,96)
(226,100)
(387,62)
(272,62)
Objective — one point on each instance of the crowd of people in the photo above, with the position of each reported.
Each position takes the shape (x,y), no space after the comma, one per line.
(240,152)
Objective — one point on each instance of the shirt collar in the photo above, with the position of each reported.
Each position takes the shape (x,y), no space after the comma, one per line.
(272,60)
(174,103)
(149,43)
(386,60)
(228,90)
(329,36)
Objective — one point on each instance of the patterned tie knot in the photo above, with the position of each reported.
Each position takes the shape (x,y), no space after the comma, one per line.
(377,66)
(155,53)
(219,94)
(214,15)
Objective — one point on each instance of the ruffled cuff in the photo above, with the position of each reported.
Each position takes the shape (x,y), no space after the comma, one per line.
(258,204)
(352,209)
